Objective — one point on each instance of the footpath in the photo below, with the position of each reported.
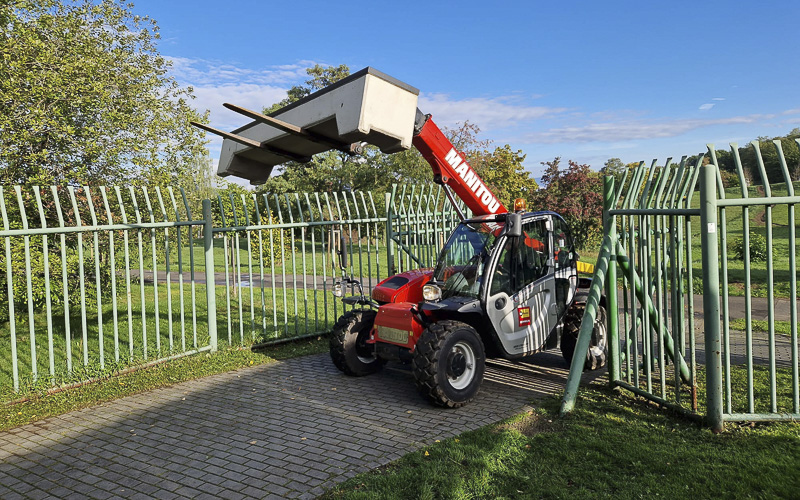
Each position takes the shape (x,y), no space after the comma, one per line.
(290,429)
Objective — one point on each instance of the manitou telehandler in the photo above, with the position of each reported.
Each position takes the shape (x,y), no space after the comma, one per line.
(505,284)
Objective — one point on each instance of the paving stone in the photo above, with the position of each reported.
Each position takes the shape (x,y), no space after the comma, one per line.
(202,447)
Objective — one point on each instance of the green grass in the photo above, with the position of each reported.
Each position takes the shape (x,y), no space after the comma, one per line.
(781,327)
(42,405)
(300,256)
(611,446)
(759,272)
(288,313)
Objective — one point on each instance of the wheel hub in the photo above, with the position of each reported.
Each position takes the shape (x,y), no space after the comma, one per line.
(456,364)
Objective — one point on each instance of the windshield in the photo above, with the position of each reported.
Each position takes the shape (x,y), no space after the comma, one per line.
(463,259)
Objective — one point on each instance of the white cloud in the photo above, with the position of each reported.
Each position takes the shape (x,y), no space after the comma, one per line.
(487,113)
(210,72)
(217,82)
(631,130)
(718,99)
(706,106)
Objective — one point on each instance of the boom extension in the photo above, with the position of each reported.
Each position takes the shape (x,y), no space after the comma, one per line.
(451,169)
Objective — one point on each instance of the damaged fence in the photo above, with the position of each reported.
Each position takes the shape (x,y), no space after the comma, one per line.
(683,275)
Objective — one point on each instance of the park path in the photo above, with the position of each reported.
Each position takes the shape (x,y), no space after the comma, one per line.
(285,430)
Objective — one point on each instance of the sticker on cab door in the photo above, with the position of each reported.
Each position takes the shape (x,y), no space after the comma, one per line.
(524,314)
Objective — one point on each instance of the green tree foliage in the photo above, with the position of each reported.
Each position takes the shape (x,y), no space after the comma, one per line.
(615,168)
(769,155)
(576,194)
(503,172)
(85,97)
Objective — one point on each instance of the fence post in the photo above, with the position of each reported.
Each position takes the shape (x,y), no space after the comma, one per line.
(208,246)
(390,233)
(713,348)
(610,228)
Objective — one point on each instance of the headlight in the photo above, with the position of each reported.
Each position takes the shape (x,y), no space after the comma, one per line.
(337,289)
(431,292)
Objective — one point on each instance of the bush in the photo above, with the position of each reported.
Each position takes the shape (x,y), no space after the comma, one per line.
(758,248)
(729,179)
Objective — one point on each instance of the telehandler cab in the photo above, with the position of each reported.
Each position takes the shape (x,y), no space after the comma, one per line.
(505,284)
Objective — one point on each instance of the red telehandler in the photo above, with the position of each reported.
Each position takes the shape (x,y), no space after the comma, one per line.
(505,284)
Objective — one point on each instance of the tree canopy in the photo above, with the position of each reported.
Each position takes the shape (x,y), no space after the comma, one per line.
(85,97)
(576,193)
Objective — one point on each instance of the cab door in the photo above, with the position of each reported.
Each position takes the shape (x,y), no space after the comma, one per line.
(521,294)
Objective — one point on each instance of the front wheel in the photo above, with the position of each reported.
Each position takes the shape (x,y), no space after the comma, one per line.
(348,344)
(449,363)
(597,354)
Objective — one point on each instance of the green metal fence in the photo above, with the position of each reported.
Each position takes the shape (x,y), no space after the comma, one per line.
(419,221)
(681,325)
(96,280)
(80,298)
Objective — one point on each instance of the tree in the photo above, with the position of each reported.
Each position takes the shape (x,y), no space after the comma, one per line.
(321,77)
(504,174)
(85,97)
(614,167)
(575,194)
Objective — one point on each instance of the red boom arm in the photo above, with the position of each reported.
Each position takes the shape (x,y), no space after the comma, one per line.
(450,168)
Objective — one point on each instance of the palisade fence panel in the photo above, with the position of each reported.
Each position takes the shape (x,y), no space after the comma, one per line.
(278,260)
(758,363)
(420,219)
(280,253)
(94,280)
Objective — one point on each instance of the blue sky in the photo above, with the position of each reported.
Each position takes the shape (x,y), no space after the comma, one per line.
(584,80)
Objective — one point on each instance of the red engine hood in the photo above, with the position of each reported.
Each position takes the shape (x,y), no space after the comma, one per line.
(403,287)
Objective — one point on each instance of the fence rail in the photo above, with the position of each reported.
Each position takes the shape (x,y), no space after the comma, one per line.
(97,279)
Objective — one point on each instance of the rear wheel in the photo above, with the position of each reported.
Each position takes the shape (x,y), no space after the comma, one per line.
(348,344)
(449,363)
(597,354)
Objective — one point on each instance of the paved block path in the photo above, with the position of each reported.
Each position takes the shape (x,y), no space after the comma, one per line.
(289,429)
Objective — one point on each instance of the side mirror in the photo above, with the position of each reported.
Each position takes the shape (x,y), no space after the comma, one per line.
(342,252)
(514,224)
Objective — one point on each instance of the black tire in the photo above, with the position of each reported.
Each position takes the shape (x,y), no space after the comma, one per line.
(449,363)
(349,350)
(597,354)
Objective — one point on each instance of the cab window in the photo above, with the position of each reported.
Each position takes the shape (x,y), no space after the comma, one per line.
(564,252)
(523,260)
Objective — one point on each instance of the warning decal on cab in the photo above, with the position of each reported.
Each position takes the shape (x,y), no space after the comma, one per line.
(524,314)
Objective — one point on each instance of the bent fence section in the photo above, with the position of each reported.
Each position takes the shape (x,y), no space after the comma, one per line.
(681,276)
(95,280)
